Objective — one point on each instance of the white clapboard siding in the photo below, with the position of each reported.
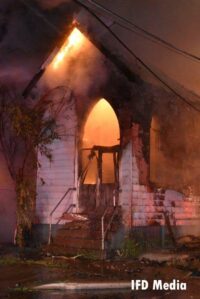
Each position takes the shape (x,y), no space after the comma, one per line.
(59,174)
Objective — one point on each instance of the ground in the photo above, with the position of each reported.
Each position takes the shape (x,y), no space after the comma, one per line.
(22,270)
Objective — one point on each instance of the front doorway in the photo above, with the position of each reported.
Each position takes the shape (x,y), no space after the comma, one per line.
(99,159)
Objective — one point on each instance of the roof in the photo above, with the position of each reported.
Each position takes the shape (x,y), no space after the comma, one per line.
(45,29)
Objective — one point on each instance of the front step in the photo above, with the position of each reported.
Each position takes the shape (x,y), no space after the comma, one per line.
(85,237)
(81,233)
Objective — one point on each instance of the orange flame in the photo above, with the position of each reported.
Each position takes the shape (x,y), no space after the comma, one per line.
(75,39)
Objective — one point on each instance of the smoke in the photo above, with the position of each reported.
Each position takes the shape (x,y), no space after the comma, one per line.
(83,70)
(15,76)
(49,4)
(27,35)
(23,33)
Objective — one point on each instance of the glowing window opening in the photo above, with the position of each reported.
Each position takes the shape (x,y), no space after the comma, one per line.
(101,129)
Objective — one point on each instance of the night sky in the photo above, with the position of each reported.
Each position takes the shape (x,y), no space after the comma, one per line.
(24,37)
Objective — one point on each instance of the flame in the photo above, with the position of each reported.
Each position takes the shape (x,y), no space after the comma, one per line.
(75,39)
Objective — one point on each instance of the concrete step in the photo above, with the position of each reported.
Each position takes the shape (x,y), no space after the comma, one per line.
(86,231)
(92,225)
(86,235)
(74,217)
(76,224)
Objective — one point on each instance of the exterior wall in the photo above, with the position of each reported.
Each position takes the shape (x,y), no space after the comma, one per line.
(59,175)
(136,199)
(176,164)
(182,210)
(7,204)
(125,177)
(143,206)
(174,158)
(137,202)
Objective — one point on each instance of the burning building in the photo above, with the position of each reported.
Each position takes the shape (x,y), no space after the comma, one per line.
(121,163)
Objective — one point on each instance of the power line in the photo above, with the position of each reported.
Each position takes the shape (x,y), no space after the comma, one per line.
(153,37)
(138,58)
(155,41)
(121,42)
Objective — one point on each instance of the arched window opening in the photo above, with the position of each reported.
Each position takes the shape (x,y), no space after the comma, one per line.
(100,139)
